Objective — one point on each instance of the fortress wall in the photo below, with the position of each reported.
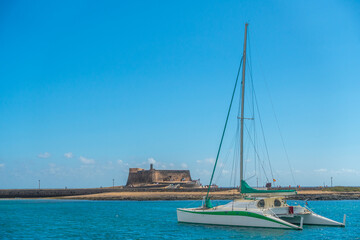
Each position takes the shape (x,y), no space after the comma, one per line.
(139,177)
(135,170)
(172,175)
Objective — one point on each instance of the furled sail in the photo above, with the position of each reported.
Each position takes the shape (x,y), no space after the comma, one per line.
(246,189)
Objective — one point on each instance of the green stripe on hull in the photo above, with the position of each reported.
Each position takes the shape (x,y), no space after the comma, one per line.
(239,213)
(228,225)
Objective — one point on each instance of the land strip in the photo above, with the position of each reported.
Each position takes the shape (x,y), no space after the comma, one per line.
(144,194)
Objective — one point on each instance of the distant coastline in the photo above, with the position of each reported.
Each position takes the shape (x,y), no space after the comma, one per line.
(147,194)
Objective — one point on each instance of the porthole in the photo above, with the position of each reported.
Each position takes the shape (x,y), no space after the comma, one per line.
(261,203)
(277,203)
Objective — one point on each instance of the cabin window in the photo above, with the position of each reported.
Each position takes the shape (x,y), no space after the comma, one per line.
(277,203)
(261,203)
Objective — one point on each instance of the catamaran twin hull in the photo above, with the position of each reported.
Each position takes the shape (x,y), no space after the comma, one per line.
(252,219)
(232,218)
(266,213)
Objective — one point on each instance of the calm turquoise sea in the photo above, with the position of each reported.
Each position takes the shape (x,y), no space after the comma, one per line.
(67,219)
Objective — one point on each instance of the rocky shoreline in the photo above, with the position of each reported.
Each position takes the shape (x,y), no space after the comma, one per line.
(326,196)
(215,196)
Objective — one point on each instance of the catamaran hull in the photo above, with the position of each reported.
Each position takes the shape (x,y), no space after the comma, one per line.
(252,220)
(314,219)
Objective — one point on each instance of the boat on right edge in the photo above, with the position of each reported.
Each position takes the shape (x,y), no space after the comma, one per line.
(253,207)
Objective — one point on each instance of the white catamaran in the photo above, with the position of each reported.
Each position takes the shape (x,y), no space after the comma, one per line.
(253,208)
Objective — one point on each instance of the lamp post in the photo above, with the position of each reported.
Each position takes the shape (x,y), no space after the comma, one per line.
(331,181)
(39,184)
(113,183)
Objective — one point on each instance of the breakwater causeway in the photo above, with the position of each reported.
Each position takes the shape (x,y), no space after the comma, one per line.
(121,193)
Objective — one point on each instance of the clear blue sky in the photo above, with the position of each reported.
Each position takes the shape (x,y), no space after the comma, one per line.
(89,89)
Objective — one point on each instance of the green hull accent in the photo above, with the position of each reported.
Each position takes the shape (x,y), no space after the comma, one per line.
(245,188)
(212,224)
(239,213)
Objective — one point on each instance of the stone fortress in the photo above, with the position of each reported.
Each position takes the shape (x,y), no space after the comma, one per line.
(139,177)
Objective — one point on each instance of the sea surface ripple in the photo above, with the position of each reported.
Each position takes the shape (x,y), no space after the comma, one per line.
(70,219)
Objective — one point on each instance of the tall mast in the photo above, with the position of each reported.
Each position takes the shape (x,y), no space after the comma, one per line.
(242,111)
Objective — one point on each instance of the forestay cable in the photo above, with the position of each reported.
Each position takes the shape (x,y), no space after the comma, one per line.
(223,134)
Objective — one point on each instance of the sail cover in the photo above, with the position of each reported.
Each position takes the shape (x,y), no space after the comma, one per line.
(245,188)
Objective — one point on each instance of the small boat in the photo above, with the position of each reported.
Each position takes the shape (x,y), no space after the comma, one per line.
(253,207)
